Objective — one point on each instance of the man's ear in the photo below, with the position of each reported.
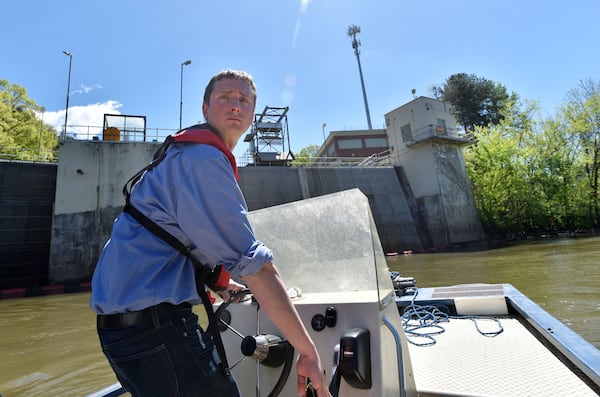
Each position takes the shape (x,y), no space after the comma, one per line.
(204,110)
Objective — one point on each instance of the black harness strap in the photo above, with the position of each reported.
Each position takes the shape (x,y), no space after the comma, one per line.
(158,157)
(202,272)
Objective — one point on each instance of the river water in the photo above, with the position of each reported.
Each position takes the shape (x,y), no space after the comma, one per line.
(562,276)
(49,345)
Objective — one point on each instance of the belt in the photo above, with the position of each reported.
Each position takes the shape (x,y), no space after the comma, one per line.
(140,317)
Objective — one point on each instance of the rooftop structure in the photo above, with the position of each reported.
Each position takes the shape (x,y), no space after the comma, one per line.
(269,142)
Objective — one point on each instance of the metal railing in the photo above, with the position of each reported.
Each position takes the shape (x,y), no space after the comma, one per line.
(436,131)
(134,134)
(28,154)
(383,159)
(377,159)
(153,135)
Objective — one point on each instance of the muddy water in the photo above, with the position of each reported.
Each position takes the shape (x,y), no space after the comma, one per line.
(49,346)
(562,276)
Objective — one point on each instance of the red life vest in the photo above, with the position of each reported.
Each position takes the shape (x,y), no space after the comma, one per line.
(201,134)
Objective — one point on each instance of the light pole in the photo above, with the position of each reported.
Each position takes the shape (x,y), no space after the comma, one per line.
(43,109)
(352,31)
(181,91)
(323,127)
(70,55)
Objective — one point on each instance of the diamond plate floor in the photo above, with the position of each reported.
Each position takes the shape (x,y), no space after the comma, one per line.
(514,363)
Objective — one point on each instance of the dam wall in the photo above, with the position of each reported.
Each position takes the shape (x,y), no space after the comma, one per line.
(88,197)
(26,204)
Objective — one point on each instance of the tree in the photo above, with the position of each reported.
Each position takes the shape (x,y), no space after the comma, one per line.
(476,102)
(582,115)
(306,155)
(497,169)
(23,136)
(524,173)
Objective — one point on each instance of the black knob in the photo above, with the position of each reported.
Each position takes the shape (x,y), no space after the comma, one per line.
(248,346)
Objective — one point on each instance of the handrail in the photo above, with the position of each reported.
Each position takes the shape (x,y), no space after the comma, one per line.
(432,131)
(398,340)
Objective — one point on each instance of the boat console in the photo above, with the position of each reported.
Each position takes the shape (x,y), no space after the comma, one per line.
(330,257)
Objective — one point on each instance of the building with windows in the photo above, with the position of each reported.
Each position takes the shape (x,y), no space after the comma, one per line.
(423,143)
(423,120)
(426,147)
(353,145)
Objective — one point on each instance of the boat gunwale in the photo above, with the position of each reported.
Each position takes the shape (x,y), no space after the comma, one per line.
(581,353)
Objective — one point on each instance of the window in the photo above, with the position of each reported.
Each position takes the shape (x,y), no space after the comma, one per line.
(406,133)
(442,126)
(350,144)
(375,142)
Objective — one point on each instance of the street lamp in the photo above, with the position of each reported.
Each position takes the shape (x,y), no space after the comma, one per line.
(324,125)
(70,55)
(181,91)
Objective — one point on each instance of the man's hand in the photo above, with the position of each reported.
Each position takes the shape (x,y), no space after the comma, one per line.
(269,290)
(231,287)
(310,368)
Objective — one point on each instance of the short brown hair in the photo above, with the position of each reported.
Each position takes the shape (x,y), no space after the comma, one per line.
(232,74)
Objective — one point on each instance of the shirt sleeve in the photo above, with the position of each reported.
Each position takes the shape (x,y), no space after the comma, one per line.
(212,212)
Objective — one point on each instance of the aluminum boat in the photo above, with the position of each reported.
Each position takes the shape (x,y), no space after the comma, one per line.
(380,335)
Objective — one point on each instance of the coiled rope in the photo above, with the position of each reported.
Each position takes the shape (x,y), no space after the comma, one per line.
(422,323)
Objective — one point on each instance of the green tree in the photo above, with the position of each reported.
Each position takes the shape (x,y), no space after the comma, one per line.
(23,136)
(524,174)
(305,156)
(496,167)
(582,115)
(476,101)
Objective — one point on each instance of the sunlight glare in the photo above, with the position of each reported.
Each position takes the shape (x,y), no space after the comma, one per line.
(304,5)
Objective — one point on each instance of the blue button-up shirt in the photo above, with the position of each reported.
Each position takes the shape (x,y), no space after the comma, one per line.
(193,194)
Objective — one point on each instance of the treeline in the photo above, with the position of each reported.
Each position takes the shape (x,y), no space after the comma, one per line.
(530,174)
(23,135)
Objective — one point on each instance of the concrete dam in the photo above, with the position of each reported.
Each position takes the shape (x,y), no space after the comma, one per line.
(87,198)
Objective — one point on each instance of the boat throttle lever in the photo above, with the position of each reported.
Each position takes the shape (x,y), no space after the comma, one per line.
(354,361)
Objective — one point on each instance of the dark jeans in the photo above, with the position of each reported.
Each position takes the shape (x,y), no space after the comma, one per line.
(172,357)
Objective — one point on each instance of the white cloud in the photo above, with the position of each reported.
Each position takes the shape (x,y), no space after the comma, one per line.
(83,122)
(86,89)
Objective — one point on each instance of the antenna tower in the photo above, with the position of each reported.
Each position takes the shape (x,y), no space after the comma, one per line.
(352,31)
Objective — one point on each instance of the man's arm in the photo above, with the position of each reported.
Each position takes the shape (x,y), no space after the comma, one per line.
(268,288)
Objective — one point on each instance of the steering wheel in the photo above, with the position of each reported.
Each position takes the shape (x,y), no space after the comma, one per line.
(268,350)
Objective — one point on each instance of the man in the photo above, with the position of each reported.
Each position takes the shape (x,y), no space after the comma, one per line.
(143,289)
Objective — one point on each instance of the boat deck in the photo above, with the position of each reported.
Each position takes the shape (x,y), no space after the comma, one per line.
(513,363)
(464,362)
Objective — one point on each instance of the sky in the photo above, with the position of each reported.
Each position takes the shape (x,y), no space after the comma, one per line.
(127,55)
